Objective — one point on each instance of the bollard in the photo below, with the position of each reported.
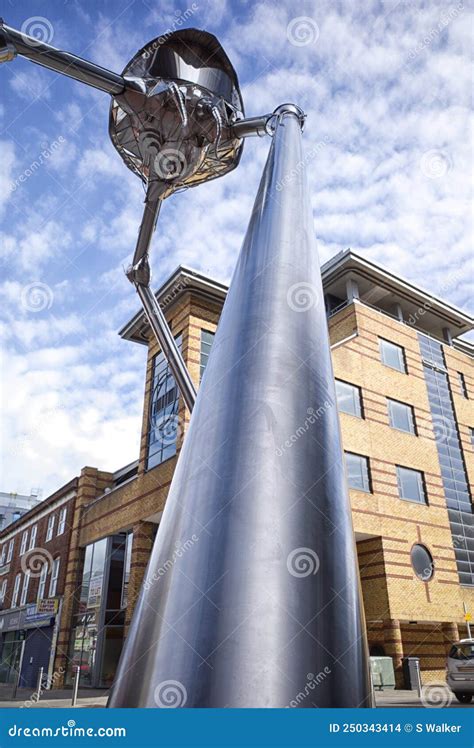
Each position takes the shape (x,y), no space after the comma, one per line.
(18,675)
(75,687)
(39,685)
(418,678)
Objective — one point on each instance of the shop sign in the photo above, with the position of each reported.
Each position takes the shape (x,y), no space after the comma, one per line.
(32,617)
(47,606)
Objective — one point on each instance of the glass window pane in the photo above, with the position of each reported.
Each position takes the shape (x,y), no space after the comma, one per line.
(357,468)
(392,355)
(163,418)
(410,484)
(348,398)
(206,343)
(401,416)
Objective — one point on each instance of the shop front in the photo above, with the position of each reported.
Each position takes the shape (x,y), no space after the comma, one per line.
(98,625)
(27,642)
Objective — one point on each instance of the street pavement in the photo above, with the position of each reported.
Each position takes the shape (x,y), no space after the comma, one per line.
(89,698)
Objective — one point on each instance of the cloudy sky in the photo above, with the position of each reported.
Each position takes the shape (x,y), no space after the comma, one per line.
(386,86)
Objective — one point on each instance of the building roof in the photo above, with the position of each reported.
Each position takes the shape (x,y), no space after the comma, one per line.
(182,280)
(378,287)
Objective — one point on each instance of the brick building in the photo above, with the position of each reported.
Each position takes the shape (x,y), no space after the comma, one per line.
(405,386)
(33,559)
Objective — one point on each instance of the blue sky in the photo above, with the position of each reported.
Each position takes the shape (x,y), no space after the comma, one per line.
(386,87)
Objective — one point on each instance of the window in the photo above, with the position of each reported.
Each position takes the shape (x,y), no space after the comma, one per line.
(50,529)
(392,355)
(471,431)
(164,424)
(126,570)
(401,416)
(422,562)
(54,578)
(34,530)
(462,384)
(24,589)
(11,546)
(3,555)
(2,521)
(42,580)
(3,591)
(357,468)
(24,541)
(349,398)
(411,485)
(16,590)
(206,342)
(62,521)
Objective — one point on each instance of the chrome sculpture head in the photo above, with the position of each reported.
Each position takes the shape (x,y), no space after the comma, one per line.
(174,125)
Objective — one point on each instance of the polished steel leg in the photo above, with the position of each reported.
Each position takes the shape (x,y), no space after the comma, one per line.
(251,597)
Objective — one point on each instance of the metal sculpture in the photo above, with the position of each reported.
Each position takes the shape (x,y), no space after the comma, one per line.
(263,603)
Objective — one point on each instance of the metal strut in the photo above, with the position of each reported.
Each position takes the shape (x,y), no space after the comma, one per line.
(139,274)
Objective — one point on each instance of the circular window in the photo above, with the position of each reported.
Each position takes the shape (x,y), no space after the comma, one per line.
(422,562)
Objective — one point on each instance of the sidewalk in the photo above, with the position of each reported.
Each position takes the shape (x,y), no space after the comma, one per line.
(91,699)
(59,699)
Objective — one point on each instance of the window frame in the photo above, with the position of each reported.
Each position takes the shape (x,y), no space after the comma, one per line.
(159,449)
(11,548)
(463,385)
(53,582)
(369,476)
(422,484)
(33,534)
(61,521)
(24,542)
(43,577)
(384,341)
(358,390)
(3,555)
(411,410)
(24,588)
(50,528)
(16,590)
